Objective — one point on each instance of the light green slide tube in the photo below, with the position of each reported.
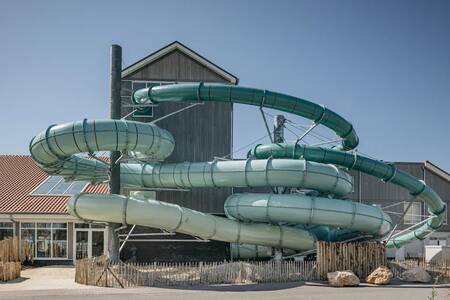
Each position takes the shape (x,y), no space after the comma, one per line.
(171,217)
(197,92)
(320,115)
(257,221)
(386,172)
(240,173)
(302,209)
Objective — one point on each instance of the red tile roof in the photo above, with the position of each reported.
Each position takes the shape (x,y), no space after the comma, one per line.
(19,175)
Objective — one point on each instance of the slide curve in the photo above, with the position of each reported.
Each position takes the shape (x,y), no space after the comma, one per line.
(255,222)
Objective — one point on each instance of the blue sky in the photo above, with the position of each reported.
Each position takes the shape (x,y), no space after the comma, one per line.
(384,65)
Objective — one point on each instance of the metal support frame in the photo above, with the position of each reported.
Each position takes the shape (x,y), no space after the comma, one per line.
(265,123)
(176,112)
(278,128)
(131,234)
(217,158)
(91,155)
(327,142)
(392,205)
(130,114)
(147,234)
(120,159)
(278,137)
(391,233)
(126,238)
(120,228)
(313,125)
(401,218)
(264,116)
(409,228)
(300,254)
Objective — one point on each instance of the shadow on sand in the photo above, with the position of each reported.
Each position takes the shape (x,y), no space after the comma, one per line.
(396,284)
(17,280)
(240,287)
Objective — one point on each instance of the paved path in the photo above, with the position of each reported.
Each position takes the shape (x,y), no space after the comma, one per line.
(52,277)
(260,292)
(57,283)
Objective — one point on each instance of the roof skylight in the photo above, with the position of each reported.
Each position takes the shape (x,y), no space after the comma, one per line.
(55,185)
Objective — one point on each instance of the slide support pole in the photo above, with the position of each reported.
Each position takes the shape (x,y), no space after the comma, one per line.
(115,114)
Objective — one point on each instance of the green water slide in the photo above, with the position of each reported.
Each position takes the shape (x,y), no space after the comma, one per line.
(254,223)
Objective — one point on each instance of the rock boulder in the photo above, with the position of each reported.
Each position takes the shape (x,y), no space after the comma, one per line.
(416,274)
(381,275)
(342,278)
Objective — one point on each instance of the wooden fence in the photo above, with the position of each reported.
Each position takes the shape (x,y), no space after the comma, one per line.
(9,250)
(102,272)
(15,250)
(10,270)
(11,257)
(360,257)
(439,271)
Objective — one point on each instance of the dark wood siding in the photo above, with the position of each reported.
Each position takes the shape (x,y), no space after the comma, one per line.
(200,133)
(176,66)
(173,251)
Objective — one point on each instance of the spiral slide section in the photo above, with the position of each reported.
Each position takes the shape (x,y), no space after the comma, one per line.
(254,222)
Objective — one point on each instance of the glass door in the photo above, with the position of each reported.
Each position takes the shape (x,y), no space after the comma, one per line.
(98,243)
(90,240)
(81,244)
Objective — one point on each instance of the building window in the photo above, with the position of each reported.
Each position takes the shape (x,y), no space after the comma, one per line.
(414,213)
(437,241)
(6,230)
(55,185)
(90,226)
(49,239)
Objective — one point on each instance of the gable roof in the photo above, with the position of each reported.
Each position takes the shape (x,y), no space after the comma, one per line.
(436,170)
(187,51)
(19,176)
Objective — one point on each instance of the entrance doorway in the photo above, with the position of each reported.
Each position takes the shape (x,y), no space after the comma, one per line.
(89,240)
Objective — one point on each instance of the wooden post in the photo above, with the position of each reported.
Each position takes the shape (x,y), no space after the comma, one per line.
(360,257)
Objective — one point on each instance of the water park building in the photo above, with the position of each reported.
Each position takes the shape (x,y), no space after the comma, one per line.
(33,205)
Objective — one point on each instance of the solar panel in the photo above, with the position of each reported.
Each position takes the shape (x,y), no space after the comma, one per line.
(55,185)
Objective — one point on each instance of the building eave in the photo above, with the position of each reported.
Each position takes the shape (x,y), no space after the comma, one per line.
(14,217)
(436,170)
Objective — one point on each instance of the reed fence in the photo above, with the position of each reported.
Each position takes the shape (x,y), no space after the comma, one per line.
(360,257)
(16,250)
(102,272)
(10,270)
(12,253)
(439,271)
